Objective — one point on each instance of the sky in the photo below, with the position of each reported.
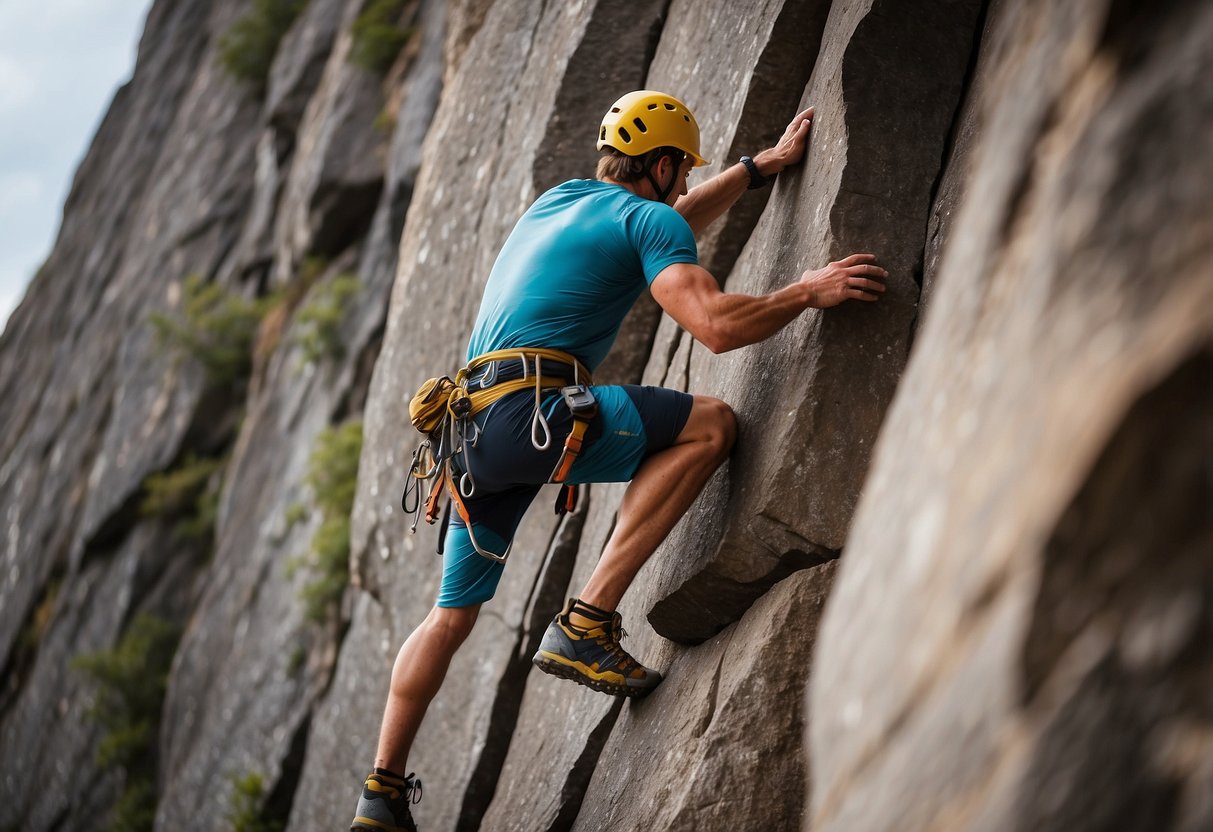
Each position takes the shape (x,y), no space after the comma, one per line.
(61,62)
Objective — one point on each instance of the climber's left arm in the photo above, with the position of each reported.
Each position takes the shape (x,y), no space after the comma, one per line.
(708,200)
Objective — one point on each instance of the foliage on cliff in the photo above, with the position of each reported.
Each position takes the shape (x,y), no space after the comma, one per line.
(378,36)
(247,49)
(245,810)
(188,494)
(318,332)
(130,683)
(333,480)
(215,327)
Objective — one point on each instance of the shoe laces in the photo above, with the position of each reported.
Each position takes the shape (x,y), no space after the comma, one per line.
(412,788)
(612,633)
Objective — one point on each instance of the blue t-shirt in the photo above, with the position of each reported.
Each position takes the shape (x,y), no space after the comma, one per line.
(574,265)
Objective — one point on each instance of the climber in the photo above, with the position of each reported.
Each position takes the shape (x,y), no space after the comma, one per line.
(573,266)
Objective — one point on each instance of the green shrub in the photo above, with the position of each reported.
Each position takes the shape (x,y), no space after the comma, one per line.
(135,810)
(318,324)
(295,513)
(245,812)
(378,36)
(130,682)
(189,493)
(296,660)
(385,121)
(130,679)
(215,328)
(282,306)
(333,479)
(247,49)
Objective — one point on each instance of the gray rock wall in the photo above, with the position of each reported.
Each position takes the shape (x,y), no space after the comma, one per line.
(56,406)
(1016,630)
(191,172)
(1021,614)
(275,661)
(486,157)
(810,400)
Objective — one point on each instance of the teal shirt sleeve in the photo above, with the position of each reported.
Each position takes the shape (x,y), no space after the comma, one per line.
(661,237)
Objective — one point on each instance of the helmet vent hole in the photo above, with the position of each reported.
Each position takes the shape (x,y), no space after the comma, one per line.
(623,134)
(669,106)
(615,110)
(602,135)
(686,118)
(652,106)
(640,125)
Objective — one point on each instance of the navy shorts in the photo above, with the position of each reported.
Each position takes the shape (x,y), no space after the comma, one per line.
(633,422)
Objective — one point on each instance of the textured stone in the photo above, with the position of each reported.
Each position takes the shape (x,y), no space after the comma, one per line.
(466,18)
(54,405)
(966,131)
(560,723)
(810,400)
(742,69)
(480,170)
(1018,640)
(294,77)
(299,65)
(717,745)
(336,175)
(346,722)
(1030,561)
(259,635)
(186,223)
(771,52)
(39,745)
(249,621)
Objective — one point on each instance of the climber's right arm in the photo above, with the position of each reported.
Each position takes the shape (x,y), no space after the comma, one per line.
(724,321)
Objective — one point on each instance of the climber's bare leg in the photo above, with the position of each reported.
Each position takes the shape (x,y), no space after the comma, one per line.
(658,496)
(420,667)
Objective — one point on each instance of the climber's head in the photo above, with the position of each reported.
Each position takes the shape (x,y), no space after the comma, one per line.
(649,135)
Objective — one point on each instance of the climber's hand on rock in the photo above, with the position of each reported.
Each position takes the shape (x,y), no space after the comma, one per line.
(852,278)
(790,149)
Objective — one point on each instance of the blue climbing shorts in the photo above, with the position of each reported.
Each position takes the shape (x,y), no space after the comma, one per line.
(633,422)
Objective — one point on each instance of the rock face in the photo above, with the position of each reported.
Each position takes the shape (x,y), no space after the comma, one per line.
(810,400)
(1031,558)
(998,475)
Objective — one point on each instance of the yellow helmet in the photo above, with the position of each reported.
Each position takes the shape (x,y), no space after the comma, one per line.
(646,120)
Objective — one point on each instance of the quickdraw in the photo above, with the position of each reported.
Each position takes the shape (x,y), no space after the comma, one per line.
(444,409)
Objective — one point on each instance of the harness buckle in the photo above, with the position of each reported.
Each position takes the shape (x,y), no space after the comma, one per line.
(580,401)
(461,407)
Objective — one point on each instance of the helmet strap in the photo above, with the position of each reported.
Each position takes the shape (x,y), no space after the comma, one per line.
(662,193)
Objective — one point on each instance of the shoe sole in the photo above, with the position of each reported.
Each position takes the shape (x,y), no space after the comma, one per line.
(361,824)
(580,674)
(368,825)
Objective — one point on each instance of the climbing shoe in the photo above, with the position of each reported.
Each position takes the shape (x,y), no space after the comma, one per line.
(384,804)
(592,656)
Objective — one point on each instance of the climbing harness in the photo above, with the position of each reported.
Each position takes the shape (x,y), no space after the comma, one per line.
(444,410)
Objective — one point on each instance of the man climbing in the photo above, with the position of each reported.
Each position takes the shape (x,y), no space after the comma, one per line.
(526,413)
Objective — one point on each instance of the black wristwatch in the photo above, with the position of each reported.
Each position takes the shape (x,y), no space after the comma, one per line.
(757,180)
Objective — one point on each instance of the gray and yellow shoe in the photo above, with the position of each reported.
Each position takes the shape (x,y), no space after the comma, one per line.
(593,657)
(384,804)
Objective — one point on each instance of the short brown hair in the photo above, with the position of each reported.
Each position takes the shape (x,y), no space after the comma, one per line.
(620,167)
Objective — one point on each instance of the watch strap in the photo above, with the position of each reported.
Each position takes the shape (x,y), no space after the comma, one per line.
(757,180)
